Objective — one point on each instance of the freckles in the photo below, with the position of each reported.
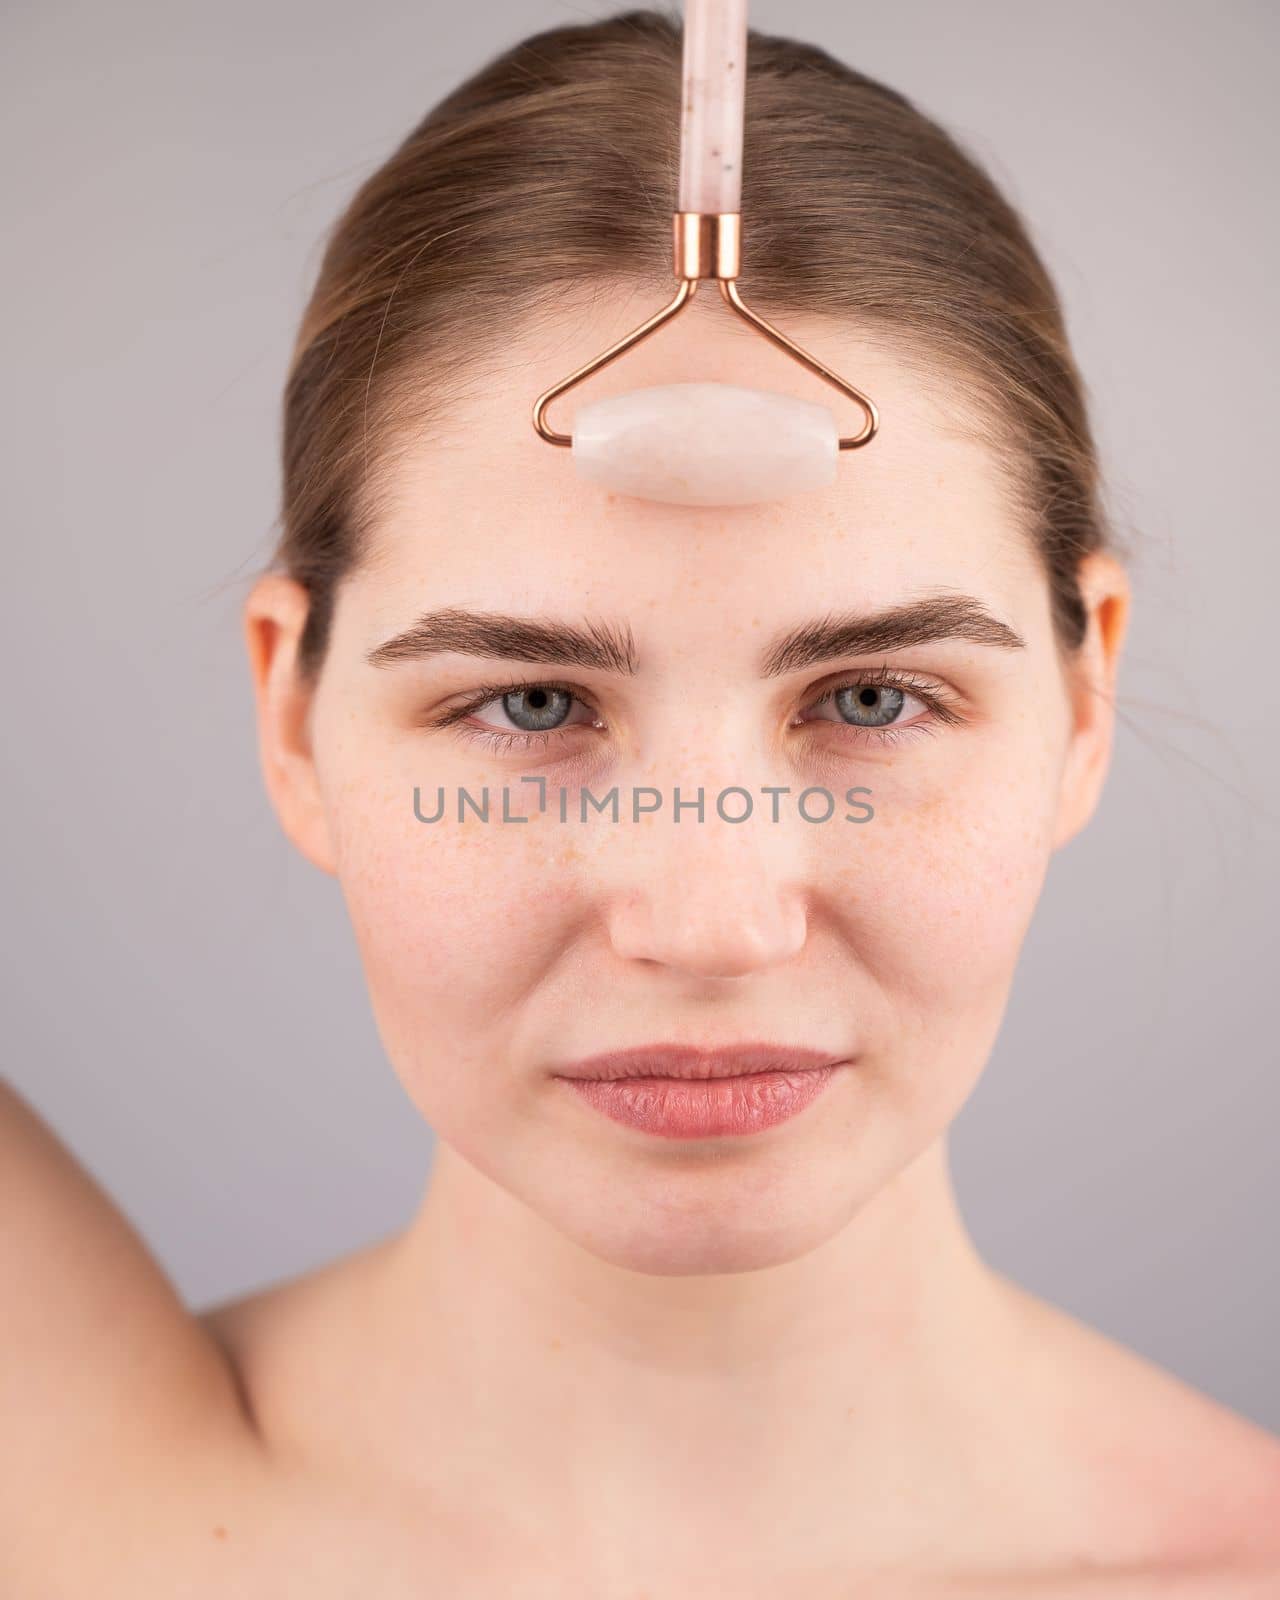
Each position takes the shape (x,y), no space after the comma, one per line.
(949,876)
(506,882)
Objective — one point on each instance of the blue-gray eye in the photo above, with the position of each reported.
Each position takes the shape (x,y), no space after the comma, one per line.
(537,710)
(869,705)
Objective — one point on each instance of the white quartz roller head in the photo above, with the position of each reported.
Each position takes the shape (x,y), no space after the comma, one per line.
(706,444)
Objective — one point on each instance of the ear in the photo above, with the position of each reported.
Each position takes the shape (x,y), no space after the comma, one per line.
(1104,588)
(274,615)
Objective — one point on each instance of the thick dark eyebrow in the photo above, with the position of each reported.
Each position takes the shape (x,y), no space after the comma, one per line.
(950,616)
(609,648)
(489,633)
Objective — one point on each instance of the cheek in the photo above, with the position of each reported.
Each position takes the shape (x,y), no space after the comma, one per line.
(956,876)
(935,899)
(455,929)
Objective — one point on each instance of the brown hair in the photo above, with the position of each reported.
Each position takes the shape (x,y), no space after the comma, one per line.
(556,164)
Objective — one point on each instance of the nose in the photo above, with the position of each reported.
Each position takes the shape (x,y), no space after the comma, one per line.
(714,899)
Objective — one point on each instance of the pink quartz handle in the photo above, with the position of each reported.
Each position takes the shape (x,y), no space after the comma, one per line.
(715,80)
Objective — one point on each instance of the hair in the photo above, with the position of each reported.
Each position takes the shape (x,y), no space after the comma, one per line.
(556,165)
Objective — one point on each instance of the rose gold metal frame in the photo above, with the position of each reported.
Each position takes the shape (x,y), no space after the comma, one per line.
(707,244)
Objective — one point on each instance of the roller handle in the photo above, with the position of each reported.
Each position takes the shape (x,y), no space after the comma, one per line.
(712,108)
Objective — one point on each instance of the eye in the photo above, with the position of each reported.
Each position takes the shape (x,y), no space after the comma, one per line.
(527,714)
(883,704)
(871,705)
(540,708)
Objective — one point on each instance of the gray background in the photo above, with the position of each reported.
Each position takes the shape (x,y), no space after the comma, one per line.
(182,995)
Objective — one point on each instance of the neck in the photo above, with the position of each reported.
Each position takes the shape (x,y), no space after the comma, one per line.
(844,1400)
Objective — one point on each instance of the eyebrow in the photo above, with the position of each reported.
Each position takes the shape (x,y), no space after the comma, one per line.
(611,648)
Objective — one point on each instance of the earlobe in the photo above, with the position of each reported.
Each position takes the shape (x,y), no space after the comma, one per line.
(1104,588)
(275,613)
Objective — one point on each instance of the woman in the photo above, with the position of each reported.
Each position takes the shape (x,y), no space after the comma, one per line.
(648,1334)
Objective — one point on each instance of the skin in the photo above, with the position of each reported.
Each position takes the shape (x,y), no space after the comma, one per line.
(596,1360)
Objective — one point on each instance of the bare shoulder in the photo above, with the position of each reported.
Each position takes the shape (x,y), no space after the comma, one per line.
(298,1338)
(1174,1482)
(104,1373)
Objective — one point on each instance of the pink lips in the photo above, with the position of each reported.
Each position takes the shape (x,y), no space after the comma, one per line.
(682,1092)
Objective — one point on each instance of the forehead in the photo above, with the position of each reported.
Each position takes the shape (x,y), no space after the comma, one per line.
(474,507)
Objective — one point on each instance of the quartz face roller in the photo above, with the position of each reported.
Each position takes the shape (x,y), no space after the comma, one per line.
(714,72)
(706,444)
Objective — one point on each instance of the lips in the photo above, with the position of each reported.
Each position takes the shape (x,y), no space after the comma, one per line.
(689,1062)
(681,1092)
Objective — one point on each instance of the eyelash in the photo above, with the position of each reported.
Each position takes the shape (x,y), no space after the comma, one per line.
(942,712)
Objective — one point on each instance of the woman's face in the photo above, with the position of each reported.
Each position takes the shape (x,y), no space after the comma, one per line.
(499,952)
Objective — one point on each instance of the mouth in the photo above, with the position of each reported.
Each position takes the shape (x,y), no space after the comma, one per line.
(681,1092)
(689,1062)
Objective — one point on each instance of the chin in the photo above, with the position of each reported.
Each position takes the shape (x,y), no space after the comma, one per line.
(743,1227)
